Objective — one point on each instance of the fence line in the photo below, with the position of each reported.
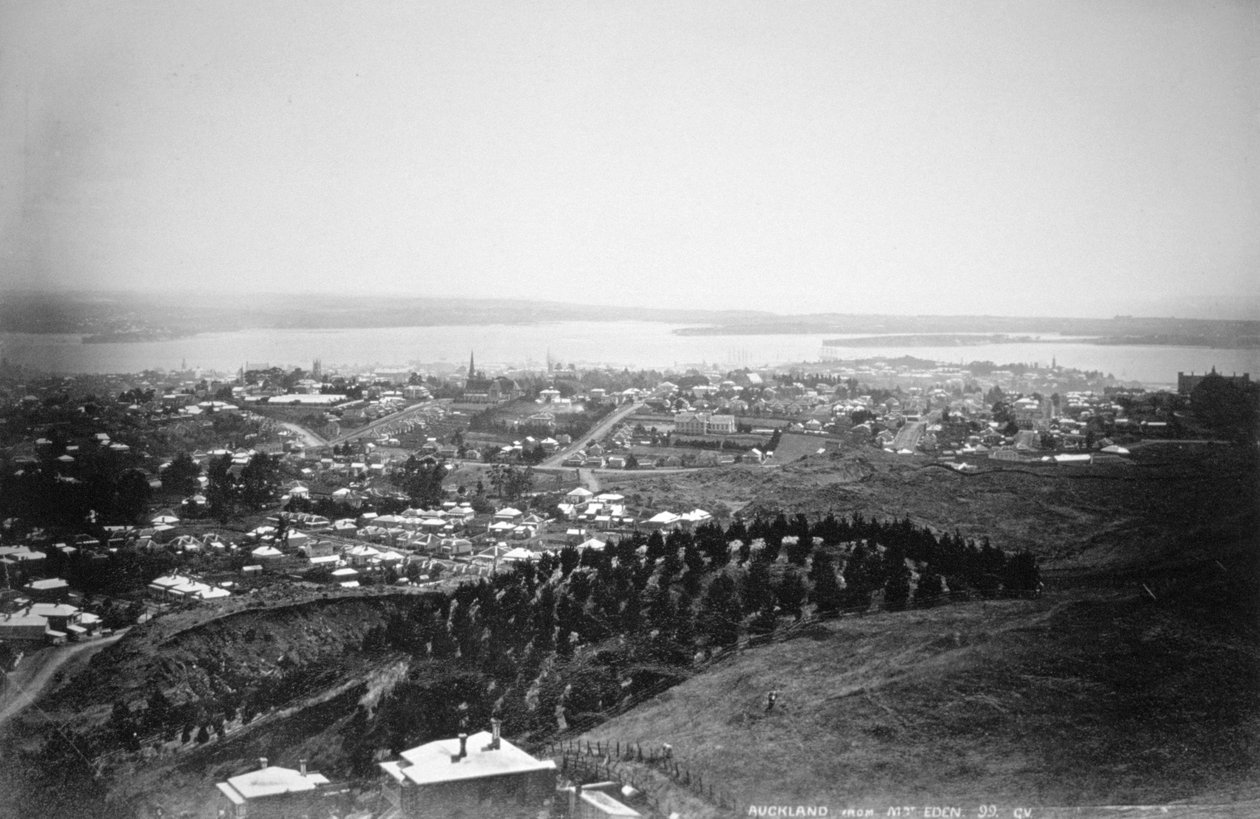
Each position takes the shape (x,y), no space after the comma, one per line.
(574,755)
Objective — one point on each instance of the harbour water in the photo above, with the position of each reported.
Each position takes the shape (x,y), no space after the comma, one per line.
(634,344)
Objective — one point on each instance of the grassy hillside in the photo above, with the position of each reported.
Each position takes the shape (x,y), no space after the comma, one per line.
(1134,680)
(1105,698)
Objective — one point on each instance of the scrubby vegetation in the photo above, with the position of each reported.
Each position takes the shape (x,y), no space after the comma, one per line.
(561,642)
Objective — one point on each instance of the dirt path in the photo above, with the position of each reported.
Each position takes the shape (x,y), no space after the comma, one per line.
(23,689)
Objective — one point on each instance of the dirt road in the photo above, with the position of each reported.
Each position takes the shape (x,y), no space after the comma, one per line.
(33,676)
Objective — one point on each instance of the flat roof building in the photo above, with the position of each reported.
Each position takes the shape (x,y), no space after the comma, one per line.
(272,792)
(478,775)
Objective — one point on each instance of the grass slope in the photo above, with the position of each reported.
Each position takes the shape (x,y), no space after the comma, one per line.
(1086,701)
(1134,680)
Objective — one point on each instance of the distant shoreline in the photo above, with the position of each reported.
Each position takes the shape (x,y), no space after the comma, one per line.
(935,340)
(978,340)
(927,339)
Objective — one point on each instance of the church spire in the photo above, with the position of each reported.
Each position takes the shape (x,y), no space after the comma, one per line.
(472,372)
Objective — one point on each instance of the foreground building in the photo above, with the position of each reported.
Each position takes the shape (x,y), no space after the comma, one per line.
(272,792)
(478,775)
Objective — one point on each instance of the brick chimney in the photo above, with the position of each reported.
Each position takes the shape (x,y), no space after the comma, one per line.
(262,762)
(496,725)
(302,767)
(463,748)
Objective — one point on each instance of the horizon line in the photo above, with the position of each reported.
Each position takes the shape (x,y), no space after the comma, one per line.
(67,291)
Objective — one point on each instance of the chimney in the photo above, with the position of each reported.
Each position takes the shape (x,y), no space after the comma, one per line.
(495,725)
(302,767)
(262,762)
(463,748)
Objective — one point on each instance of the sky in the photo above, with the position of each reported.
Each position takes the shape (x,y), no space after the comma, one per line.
(1048,158)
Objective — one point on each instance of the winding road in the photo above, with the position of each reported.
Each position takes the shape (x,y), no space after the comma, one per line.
(22,689)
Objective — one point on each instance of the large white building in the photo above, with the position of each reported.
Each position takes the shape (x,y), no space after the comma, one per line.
(703,423)
(481,775)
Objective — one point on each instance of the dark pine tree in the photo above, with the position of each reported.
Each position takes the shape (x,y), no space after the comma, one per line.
(928,592)
(758,594)
(790,592)
(897,584)
(826,593)
(1022,576)
(720,613)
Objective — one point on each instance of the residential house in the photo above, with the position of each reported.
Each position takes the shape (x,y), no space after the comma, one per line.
(663,521)
(509,515)
(272,792)
(579,496)
(49,590)
(18,562)
(24,626)
(478,775)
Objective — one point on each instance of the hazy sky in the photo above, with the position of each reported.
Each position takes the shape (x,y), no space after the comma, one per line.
(1063,158)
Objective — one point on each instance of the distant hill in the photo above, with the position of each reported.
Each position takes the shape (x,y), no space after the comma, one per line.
(136,315)
(121,312)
